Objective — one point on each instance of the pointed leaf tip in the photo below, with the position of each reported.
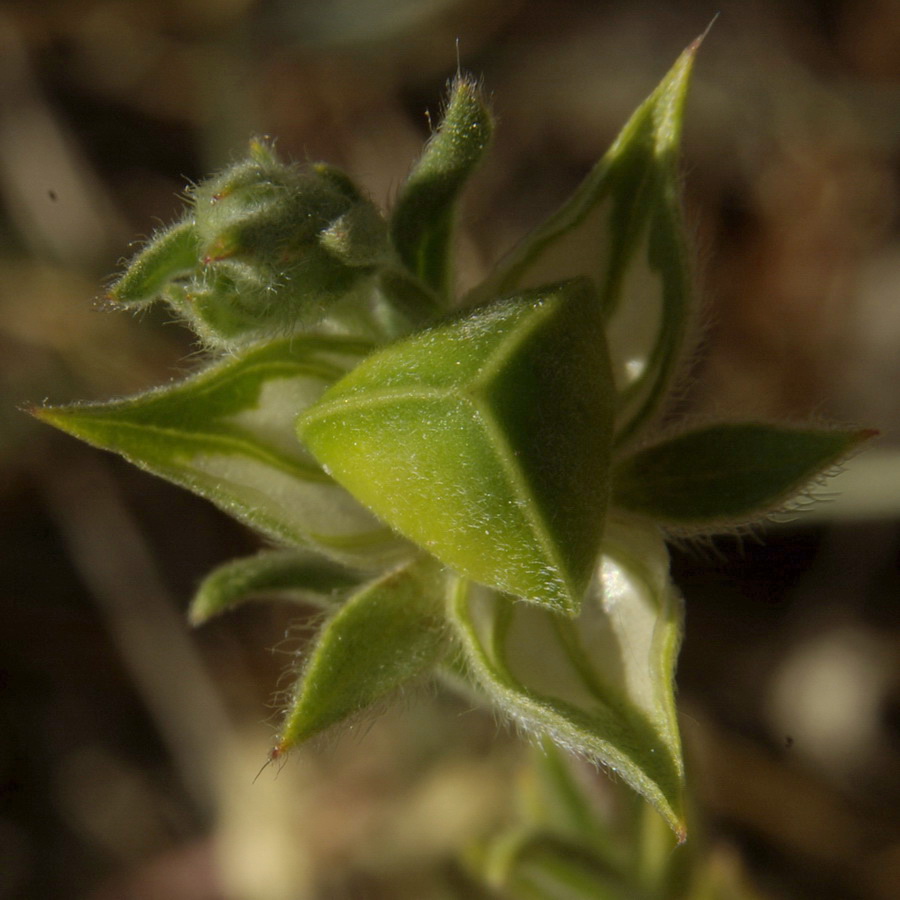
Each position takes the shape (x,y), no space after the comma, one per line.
(695,44)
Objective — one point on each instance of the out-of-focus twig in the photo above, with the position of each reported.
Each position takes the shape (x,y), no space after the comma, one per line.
(117,567)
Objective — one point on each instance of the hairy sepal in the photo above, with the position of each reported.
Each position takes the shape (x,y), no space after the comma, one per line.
(392,631)
(622,228)
(266,249)
(423,219)
(295,575)
(602,685)
(727,475)
(227,434)
(171,254)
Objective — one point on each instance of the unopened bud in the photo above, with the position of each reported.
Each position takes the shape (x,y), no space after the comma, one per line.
(266,249)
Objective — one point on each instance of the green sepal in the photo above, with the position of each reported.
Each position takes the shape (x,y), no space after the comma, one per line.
(424,215)
(622,229)
(284,574)
(290,226)
(601,685)
(727,474)
(485,440)
(227,434)
(169,255)
(389,633)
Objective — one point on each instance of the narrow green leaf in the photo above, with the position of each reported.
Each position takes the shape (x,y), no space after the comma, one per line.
(604,685)
(389,633)
(227,434)
(622,229)
(425,213)
(292,574)
(727,474)
(485,440)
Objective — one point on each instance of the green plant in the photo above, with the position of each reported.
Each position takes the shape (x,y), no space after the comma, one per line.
(476,487)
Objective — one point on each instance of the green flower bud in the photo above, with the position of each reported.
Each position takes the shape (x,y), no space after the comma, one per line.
(278,245)
(265,250)
(274,215)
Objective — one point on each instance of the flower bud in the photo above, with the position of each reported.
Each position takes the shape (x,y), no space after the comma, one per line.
(266,249)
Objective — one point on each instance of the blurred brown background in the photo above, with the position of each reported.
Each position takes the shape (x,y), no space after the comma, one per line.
(128,744)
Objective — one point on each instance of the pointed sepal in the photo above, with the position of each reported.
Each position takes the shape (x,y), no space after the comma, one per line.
(171,254)
(423,219)
(729,474)
(227,434)
(601,685)
(386,635)
(622,228)
(283,574)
